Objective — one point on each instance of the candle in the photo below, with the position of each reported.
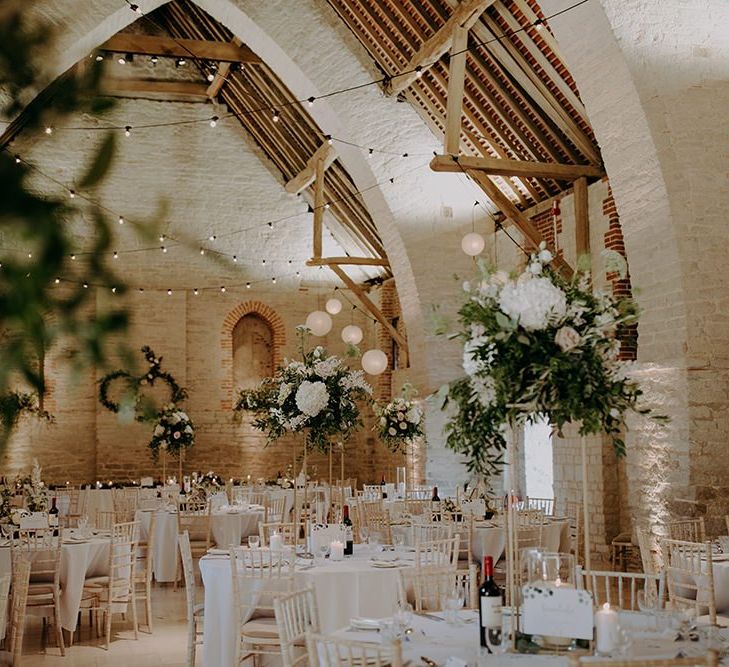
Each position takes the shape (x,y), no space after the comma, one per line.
(336,550)
(275,542)
(98,484)
(606,630)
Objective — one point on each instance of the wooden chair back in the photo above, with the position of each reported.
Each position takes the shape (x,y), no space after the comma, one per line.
(690,576)
(687,530)
(335,652)
(544,505)
(429,589)
(286,529)
(194,517)
(275,507)
(437,553)
(20,587)
(621,589)
(296,614)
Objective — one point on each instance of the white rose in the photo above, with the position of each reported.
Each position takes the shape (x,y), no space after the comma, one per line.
(614,413)
(499,278)
(403,426)
(535,268)
(383,421)
(545,256)
(159,430)
(567,339)
(533,303)
(188,429)
(392,431)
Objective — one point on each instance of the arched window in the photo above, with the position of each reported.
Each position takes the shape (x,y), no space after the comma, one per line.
(253,351)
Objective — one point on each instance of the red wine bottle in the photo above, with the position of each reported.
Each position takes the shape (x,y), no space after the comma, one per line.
(53,517)
(490,603)
(348,538)
(436,498)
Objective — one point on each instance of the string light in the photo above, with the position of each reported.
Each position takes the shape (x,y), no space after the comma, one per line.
(248,285)
(202,251)
(273,280)
(17,159)
(128,131)
(214,121)
(195,292)
(169,292)
(49,130)
(370,152)
(222,289)
(276,116)
(235,258)
(329,139)
(212,237)
(311,101)
(153,60)
(135,8)
(163,249)
(113,290)
(73,257)
(161,238)
(418,71)
(180,62)
(86,285)
(121,219)
(57,280)
(141,290)
(99,57)
(116,255)
(71,194)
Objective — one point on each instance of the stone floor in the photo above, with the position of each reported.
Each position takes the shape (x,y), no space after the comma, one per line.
(166,646)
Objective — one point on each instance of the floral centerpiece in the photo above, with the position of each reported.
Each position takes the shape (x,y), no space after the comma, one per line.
(400,422)
(539,344)
(207,484)
(173,432)
(34,490)
(6,500)
(318,395)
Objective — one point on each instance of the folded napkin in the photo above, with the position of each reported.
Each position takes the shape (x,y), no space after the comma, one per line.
(358,623)
(218,552)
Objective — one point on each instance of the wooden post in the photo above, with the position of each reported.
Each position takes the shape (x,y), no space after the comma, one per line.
(582,219)
(318,207)
(179,460)
(164,467)
(585,508)
(456,77)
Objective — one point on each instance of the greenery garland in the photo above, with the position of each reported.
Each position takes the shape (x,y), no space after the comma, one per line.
(14,404)
(135,383)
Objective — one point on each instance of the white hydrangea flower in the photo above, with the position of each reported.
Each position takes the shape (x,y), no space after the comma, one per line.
(312,397)
(283,392)
(159,430)
(327,367)
(533,303)
(415,414)
(483,389)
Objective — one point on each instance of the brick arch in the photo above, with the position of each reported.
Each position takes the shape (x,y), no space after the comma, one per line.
(270,317)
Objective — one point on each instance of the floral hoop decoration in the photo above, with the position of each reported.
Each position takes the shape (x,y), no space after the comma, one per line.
(173,432)
(539,345)
(400,422)
(318,395)
(143,410)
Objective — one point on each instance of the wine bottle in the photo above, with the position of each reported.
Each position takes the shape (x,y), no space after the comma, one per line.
(348,537)
(490,603)
(382,488)
(53,517)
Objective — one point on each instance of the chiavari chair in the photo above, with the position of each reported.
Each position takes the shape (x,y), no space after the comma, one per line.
(42,549)
(125,504)
(437,553)
(143,571)
(117,588)
(269,574)
(575,518)
(286,529)
(621,589)
(648,555)
(330,651)
(376,519)
(195,611)
(544,505)
(372,492)
(427,531)
(429,589)
(4,599)
(72,505)
(296,614)
(687,530)
(104,520)
(16,629)
(690,576)
(275,508)
(194,517)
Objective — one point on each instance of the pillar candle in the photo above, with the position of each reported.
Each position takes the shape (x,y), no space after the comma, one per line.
(336,551)
(606,629)
(275,542)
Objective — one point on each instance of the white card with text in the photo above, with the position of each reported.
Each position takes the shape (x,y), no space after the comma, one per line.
(556,611)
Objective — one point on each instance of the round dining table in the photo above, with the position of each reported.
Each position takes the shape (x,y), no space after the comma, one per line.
(227,526)
(359,585)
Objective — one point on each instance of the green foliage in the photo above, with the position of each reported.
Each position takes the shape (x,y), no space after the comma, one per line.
(14,404)
(34,311)
(538,345)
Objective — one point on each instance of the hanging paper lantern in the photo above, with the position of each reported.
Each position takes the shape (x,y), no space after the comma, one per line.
(473,244)
(374,362)
(319,323)
(334,306)
(352,334)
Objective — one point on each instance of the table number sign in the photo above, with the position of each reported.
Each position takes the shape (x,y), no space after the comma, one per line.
(556,611)
(34,520)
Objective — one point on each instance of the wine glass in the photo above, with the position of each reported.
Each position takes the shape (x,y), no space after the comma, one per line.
(83,524)
(398,540)
(403,618)
(253,541)
(496,641)
(364,534)
(454,599)
(323,553)
(374,541)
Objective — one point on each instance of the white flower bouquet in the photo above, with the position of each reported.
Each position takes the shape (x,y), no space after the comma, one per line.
(539,344)
(318,395)
(173,431)
(399,422)
(34,490)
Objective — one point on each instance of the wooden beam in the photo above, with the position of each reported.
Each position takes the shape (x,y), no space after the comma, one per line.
(500,167)
(464,16)
(307,175)
(525,226)
(582,218)
(343,261)
(178,91)
(318,206)
(456,80)
(153,45)
(374,310)
(221,74)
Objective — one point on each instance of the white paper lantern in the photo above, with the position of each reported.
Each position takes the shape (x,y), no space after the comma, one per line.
(352,334)
(473,244)
(374,362)
(319,323)
(334,306)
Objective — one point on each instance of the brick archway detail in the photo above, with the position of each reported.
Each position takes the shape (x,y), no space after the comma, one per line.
(270,317)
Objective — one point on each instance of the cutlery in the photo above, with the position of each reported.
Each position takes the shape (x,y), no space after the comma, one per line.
(430,616)
(428,662)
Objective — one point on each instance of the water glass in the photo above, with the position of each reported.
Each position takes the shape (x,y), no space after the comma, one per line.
(253,541)
(322,553)
(374,541)
(403,618)
(453,602)
(398,540)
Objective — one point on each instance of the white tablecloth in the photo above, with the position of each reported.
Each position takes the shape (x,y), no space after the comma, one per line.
(351,587)
(78,561)
(226,529)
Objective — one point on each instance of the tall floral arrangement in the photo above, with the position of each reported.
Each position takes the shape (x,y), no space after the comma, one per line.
(173,431)
(317,395)
(34,490)
(400,421)
(539,344)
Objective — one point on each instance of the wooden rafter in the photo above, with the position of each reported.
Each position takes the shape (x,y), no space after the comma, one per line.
(373,309)
(318,206)
(154,45)
(344,261)
(464,16)
(326,153)
(499,167)
(582,219)
(456,81)
(525,226)
(221,75)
